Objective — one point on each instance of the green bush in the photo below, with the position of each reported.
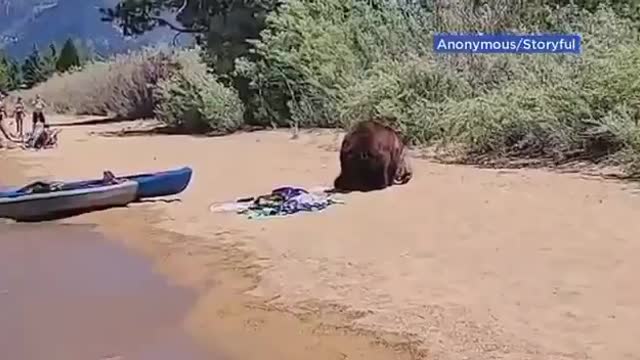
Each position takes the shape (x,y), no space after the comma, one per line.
(193,100)
(330,63)
(335,62)
(555,106)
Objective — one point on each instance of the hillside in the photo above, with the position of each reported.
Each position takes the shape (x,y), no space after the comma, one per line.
(24,23)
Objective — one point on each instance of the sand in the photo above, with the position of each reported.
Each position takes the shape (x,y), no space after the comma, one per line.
(459,263)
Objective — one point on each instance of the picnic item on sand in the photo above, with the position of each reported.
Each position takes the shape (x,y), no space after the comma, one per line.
(282,201)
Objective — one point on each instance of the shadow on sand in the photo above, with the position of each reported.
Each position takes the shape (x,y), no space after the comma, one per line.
(153,131)
(149,131)
(93,121)
(65,214)
(163,130)
(153,201)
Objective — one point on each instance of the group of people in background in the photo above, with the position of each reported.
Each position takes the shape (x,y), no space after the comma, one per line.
(19,113)
(40,134)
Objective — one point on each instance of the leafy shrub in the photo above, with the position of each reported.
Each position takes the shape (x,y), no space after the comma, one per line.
(329,63)
(192,99)
(334,62)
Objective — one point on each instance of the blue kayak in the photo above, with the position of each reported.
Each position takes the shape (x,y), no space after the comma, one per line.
(156,184)
(162,183)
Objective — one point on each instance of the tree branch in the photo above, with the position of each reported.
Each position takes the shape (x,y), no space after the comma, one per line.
(164,22)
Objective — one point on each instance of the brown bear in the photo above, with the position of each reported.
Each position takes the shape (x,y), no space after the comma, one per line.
(372,157)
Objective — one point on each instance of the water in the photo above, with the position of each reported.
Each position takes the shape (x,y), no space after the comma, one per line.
(67,293)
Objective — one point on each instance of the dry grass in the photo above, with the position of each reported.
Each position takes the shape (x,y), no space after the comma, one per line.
(121,86)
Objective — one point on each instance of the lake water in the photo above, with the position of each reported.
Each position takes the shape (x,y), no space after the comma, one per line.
(66,293)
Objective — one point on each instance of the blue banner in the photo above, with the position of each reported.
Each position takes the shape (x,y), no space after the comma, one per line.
(507,44)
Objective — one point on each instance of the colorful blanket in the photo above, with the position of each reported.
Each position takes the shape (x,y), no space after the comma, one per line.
(280,202)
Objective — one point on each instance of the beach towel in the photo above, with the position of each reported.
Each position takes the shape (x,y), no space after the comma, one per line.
(282,201)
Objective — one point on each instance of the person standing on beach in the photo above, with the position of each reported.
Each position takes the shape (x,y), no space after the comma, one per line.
(4,131)
(38,112)
(18,113)
(3,110)
(3,114)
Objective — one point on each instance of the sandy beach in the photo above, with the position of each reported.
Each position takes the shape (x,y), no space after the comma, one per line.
(461,263)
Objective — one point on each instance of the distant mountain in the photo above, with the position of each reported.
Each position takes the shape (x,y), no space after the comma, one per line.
(25,23)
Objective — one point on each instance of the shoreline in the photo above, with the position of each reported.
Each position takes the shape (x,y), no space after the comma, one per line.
(476,262)
(224,317)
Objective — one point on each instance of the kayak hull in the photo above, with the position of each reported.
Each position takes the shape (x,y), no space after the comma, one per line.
(56,204)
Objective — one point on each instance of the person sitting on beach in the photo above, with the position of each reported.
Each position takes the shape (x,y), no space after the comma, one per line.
(42,137)
(4,130)
(18,113)
(38,112)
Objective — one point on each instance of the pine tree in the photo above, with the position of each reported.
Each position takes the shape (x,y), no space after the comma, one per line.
(9,74)
(31,68)
(37,69)
(69,57)
(4,75)
(32,72)
(15,75)
(49,62)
